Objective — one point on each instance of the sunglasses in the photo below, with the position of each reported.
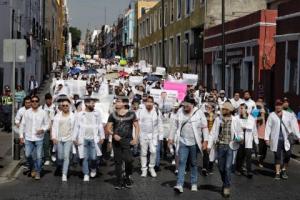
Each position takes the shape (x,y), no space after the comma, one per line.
(65,105)
(34,101)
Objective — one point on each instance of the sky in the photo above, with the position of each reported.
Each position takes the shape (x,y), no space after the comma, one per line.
(91,13)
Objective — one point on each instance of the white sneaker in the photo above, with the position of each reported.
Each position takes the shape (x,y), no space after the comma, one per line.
(144,173)
(176,171)
(93,173)
(194,188)
(64,178)
(53,158)
(173,162)
(152,172)
(86,178)
(178,189)
(47,163)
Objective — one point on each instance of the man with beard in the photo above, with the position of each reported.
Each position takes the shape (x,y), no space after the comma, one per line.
(150,120)
(190,126)
(249,102)
(120,126)
(88,133)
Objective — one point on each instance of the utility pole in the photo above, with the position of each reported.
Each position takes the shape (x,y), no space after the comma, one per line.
(163,34)
(223,45)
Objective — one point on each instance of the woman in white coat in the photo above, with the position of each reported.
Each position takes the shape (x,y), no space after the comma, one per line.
(88,133)
(248,125)
(62,130)
(279,125)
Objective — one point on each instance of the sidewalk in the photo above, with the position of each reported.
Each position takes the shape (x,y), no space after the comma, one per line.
(8,166)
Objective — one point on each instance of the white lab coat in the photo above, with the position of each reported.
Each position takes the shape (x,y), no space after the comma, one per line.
(199,124)
(157,125)
(236,131)
(273,128)
(79,132)
(251,134)
(55,127)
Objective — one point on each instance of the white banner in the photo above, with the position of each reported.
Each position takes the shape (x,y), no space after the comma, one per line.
(146,70)
(128,70)
(76,87)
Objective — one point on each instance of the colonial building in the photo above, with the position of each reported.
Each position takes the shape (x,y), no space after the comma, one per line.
(183,23)
(128,32)
(287,67)
(41,24)
(250,54)
(141,7)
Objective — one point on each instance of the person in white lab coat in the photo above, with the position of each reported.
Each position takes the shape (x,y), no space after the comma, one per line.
(279,125)
(34,124)
(62,132)
(226,135)
(88,133)
(236,101)
(150,120)
(249,102)
(190,126)
(248,124)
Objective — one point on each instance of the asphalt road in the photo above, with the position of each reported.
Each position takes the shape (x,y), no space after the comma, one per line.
(261,187)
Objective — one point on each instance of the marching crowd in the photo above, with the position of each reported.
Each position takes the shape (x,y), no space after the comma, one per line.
(226,132)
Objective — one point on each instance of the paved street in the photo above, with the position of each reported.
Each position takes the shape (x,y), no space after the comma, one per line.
(262,186)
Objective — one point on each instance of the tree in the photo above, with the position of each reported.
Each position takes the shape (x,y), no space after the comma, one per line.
(76,36)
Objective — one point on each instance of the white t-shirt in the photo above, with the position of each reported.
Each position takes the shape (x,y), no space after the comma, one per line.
(89,125)
(187,135)
(65,129)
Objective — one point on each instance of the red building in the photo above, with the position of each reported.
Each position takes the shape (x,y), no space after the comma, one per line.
(287,68)
(250,54)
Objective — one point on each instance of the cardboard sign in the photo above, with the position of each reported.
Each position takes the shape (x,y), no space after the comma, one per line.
(181,88)
(135,80)
(172,95)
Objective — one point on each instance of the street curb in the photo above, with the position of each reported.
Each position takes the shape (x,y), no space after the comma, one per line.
(10,171)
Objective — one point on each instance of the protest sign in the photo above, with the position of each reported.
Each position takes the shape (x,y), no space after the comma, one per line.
(135,80)
(190,79)
(181,88)
(172,95)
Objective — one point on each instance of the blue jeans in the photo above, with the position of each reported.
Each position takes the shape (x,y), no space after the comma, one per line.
(225,157)
(34,161)
(89,155)
(63,154)
(184,152)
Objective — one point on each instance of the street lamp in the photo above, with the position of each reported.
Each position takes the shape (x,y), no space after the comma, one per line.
(163,34)
(223,44)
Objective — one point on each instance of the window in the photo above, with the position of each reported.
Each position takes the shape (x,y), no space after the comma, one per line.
(178,50)
(171,10)
(171,47)
(292,68)
(148,26)
(186,48)
(179,9)
(187,7)
(165,15)
(193,4)
(160,18)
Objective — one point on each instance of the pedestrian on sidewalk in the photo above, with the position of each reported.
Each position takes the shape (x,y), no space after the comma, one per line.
(88,133)
(34,124)
(6,109)
(120,125)
(190,126)
(62,132)
(19,96)
(49,108)
(244,153)
(226,134)
(33,86)
(278,127)
(150,121)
